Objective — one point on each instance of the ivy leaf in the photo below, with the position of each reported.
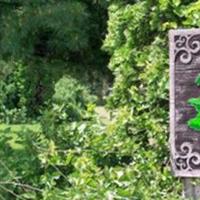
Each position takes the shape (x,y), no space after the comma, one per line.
(195,102)
(195,123)
(197,80)
(176,2)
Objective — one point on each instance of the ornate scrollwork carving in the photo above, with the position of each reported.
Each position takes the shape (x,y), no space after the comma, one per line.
(186,160)
(185,47)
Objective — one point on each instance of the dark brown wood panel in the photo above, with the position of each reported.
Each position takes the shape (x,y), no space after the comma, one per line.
(184,68)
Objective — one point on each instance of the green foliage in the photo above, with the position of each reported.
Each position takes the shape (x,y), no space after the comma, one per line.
(70,91)
(197,80)
(12,98)
(51,39)
(59,154)
(68,30)
(138,44)
(74,156)
(19,163)
(46,30)
(69,104)
(194,123)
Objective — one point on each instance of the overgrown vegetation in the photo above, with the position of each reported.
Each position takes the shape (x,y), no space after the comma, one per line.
(52,62)
(45,40)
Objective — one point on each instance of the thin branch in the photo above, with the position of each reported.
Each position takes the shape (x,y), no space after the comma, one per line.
(2,197)
(11,192)
(58,170)
(9,171)
(21,185)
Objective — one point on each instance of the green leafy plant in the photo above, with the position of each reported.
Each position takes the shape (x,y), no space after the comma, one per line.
(51,39)
(74,156)
(195,102)
(12,88)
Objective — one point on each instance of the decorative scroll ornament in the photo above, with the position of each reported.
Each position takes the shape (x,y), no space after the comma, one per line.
(185,47)
(186,160)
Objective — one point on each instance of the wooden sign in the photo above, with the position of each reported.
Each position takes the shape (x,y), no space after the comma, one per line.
(184,68)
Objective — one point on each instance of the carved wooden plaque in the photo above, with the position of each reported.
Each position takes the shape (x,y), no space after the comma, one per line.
(184,68)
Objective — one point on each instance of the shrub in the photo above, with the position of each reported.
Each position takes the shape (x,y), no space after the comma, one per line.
(12,88)
(138,44)
(67,108)
(77,157)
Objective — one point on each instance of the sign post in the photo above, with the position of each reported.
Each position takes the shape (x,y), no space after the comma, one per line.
(184,141)
(191,188)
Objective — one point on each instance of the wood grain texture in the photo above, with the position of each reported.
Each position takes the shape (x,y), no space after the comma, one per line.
(191,189)
(184,68)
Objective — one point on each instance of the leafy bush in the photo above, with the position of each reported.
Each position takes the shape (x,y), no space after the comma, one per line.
(74,156)
(44,35)
(12,88)
(52,38)
(23,98)
(20,169)
(68,104)
(138,44)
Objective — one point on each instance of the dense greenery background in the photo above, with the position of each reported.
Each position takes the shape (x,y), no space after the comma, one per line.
(57,60)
